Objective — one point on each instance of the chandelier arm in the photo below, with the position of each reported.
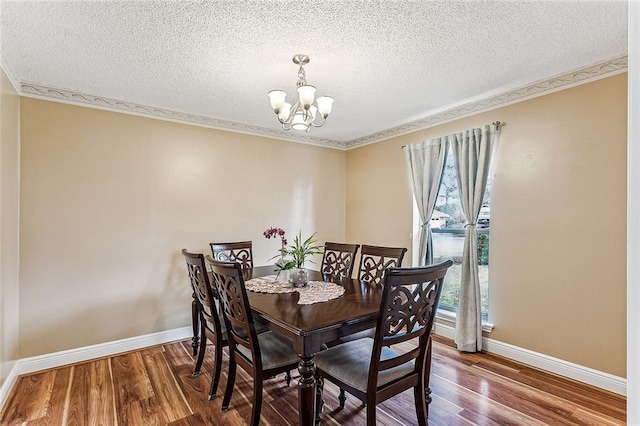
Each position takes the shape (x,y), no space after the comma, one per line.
(287,121)
(282,121)
(292,112)
(321,123)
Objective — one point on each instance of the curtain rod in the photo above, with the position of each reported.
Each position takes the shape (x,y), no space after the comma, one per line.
(495,123)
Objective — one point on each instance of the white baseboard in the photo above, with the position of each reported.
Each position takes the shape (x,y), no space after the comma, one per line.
(7,385)
(72,356)
(86,353)
(558,366)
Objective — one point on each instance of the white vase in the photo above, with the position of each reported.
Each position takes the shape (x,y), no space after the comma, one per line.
(283,276)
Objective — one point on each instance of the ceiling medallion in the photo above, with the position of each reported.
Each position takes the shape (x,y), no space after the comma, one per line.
(303,114)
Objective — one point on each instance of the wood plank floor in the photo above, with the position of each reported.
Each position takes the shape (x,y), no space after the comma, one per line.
(154,386)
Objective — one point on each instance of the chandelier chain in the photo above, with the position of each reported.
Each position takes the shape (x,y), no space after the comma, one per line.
(302,77)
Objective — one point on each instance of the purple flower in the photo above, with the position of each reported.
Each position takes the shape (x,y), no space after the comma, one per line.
(272,232)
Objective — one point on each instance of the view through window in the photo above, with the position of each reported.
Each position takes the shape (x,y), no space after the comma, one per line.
(448,227)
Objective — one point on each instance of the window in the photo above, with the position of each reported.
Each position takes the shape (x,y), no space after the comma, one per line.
(448,227)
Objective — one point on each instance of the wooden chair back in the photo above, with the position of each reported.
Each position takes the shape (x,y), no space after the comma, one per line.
(375,260)
(338,259)
(241,252)
(409,302)
(207,316)
(206,295)
(241,331)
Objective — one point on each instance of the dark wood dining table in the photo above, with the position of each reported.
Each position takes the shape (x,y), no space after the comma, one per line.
(310,326)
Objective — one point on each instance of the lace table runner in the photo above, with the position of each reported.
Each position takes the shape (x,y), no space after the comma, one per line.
(314,292)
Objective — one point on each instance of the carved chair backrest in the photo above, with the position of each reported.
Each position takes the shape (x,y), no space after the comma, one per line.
(229,282)
(206,295)
(409,302)
(240,252)
(338,259)
(374,261)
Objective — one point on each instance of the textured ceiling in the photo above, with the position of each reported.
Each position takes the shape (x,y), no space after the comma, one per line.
(387,64)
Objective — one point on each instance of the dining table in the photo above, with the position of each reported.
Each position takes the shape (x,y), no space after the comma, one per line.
(310,326)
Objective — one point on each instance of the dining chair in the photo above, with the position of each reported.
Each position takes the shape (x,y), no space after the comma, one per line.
(212,327)
(241,252)
(338,259)
(369,368)
(261,355)
(375,260)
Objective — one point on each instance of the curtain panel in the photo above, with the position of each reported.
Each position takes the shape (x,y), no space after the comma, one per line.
(472,152)
(426,162)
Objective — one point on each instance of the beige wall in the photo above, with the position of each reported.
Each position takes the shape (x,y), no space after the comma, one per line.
(558,226)
(9,224)
(108,201)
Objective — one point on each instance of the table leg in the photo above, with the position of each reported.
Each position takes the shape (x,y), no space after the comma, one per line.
(306,391)
(319,400)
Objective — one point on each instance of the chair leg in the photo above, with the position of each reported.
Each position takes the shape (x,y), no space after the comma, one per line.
(201,351)
(371,413)
(257,401)
(419,394)
(426,377)
(195,322)
(231,380)
(342,398)
(217,369)
(287,378)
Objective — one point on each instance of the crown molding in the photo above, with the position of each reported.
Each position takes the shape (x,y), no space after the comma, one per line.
(76,98)
(539,88)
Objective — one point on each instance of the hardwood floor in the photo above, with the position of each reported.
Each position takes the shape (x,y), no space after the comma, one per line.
(154,386)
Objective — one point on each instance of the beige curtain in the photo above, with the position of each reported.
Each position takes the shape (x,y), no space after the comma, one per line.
(426,166)
(472,151)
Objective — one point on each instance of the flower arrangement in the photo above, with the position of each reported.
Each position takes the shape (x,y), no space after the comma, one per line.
(295,255)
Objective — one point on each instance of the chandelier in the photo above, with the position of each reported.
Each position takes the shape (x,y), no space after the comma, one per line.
(304,114)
